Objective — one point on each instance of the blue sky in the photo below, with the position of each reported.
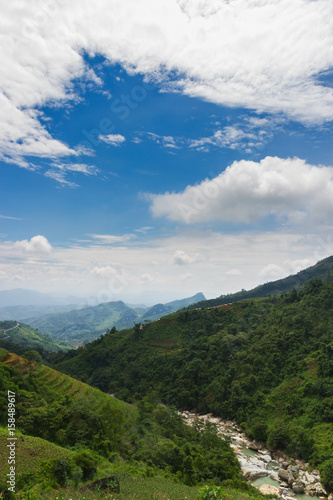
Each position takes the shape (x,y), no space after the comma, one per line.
(155,151)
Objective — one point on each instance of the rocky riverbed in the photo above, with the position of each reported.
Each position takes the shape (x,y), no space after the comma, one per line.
(280,475)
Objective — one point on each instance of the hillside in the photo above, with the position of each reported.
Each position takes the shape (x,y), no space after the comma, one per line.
(322,270)
(268,363)
(24,335)
(159,310)
(86,324)
(70,433)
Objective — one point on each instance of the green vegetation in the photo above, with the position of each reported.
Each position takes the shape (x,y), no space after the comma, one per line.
(25,336)
(70,433)
(86,324)
(267,363)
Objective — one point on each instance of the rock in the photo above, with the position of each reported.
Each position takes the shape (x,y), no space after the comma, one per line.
(254,446)
(283,474)
(330,496)
(285,464)
(268,489)
(315,489)
(294,469)
(266,458)
(298,487)
(111,483)
(251,473)
(274,476)
(309,478)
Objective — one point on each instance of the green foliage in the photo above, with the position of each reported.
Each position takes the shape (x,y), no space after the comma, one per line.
(27,337)
(326,471)
(267,363)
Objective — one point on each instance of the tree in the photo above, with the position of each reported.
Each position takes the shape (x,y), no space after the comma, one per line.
(33,358)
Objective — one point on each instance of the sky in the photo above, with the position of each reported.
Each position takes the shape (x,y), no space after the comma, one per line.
(152,150)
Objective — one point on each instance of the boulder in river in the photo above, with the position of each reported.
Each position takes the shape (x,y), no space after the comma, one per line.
(268,489)
(284,475)
(251,473)
(298,487)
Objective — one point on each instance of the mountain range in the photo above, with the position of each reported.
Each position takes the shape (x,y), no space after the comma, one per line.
(86,324)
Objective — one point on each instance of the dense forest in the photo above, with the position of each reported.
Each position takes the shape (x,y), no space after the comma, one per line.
(81,434)
(267,363)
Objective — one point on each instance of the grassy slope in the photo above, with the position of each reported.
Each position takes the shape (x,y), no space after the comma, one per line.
(24,335)
(30,452)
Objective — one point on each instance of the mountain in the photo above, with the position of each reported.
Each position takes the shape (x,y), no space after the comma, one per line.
(159,310)
(322,270)
(86,324)
(24,335)
(266,363)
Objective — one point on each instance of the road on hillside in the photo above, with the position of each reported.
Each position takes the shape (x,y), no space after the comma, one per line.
(12,328)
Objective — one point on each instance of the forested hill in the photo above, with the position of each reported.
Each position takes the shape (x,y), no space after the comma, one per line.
(322,270)
(268,363)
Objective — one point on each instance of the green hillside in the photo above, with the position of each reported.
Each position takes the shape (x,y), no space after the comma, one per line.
(25,336)
(268,363)
(322,270)
(70,433)
(86,324)
(159,310)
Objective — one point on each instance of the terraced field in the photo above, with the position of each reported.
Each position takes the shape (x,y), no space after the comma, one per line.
(63,384)
(30,452)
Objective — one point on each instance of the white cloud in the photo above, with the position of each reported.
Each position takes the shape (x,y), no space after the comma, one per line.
(36,245)
(248,134)
(248,191)
(288,267)
(112,139)
(262,55)
(8,217)
(116,272)
(108,239)
(234,272)
(181,258)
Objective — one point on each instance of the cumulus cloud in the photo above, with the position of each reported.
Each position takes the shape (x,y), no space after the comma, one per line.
(180,258)
(274,271)
(265,56)
(247,191)
(116,272)
(36,245)
(112,139)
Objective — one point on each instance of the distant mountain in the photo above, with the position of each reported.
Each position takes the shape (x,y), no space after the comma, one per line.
(23,335)
(159,310)
(322,270)
(86,324)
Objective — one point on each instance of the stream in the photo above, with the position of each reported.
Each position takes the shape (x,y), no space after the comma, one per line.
(272,472)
